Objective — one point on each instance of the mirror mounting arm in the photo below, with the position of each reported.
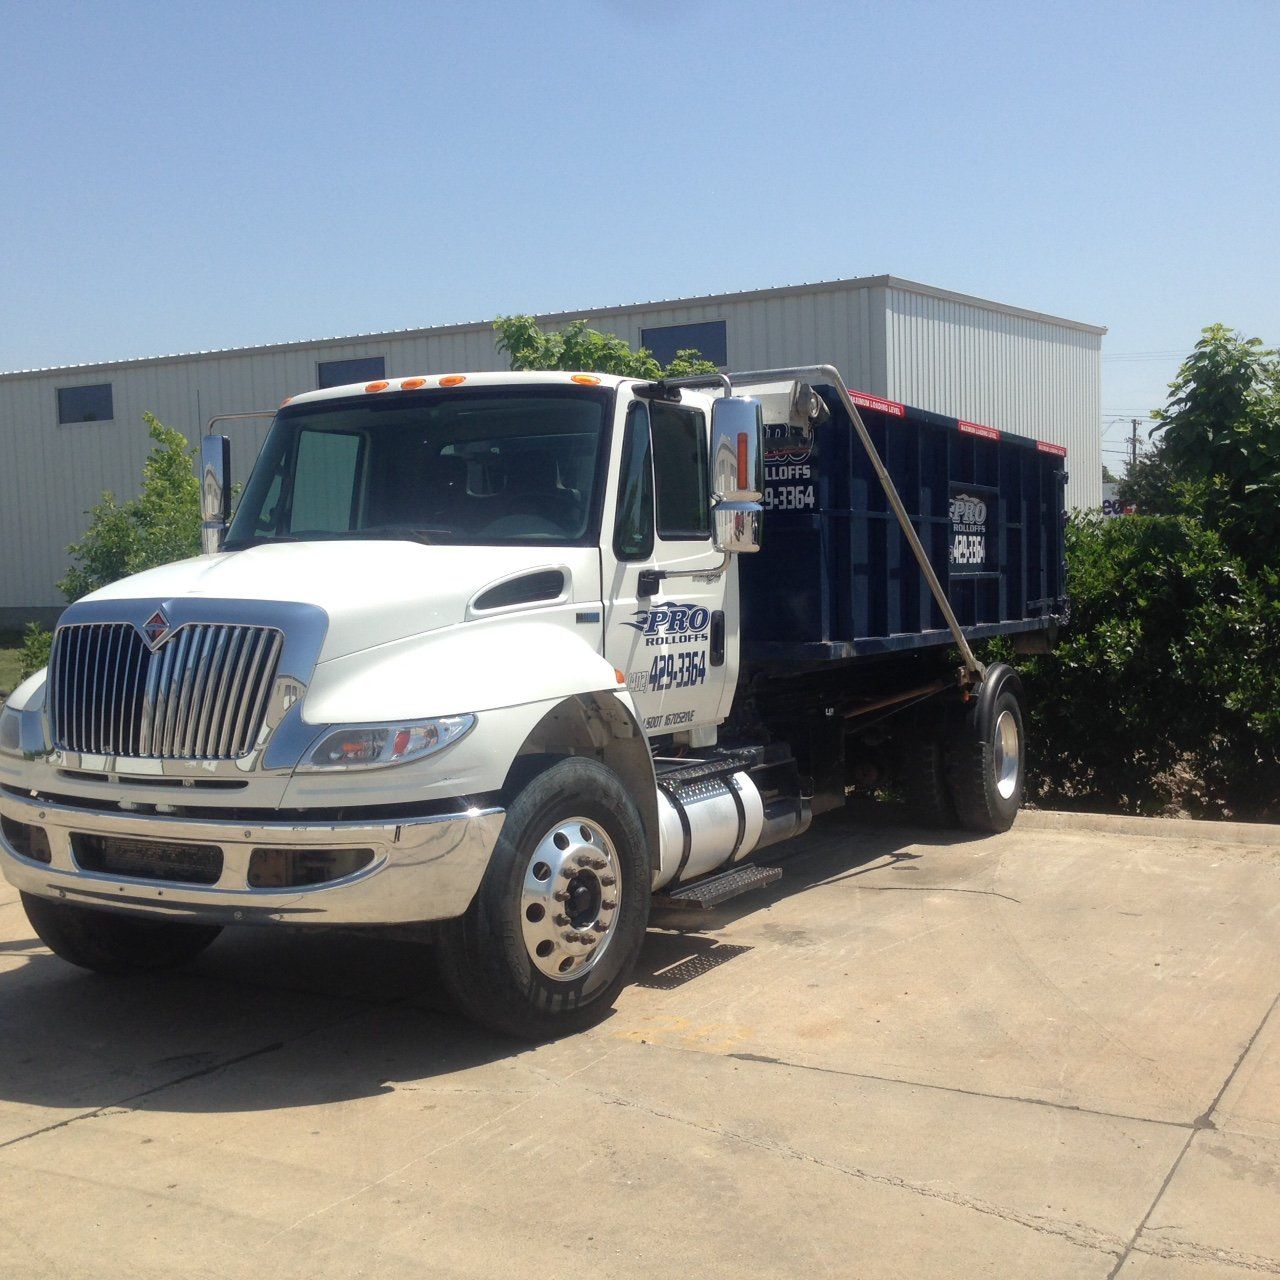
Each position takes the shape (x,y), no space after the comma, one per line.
(215,481)
(648,581)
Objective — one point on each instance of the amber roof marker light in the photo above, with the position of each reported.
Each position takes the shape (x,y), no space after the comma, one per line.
(587,379)
(453,379)
(412,384)
(377,386)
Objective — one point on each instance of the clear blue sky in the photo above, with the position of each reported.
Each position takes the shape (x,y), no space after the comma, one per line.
(177,177)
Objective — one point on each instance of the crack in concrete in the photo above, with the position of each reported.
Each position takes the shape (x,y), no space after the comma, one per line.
(1079,1234)
(931,888)
(1194,1251)
(1201,1123)
(948,1088)
(122,1103)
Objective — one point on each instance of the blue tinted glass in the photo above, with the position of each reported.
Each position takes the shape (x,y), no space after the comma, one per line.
(85,404)
(707,338)
(337,373)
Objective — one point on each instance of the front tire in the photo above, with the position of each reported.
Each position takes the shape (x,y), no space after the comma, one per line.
(110,943)
(559,918)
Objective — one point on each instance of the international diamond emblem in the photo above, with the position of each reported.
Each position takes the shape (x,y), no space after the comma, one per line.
(156,629)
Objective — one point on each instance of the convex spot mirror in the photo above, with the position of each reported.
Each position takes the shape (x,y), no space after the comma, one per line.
(807,408)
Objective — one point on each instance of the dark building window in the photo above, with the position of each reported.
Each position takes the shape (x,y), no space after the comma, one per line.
(337,373)
(707,337)
(85,404)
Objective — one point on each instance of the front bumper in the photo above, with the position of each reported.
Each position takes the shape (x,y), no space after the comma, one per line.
(423,868)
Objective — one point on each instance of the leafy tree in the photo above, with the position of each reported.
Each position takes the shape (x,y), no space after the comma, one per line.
(161,524)
(1221,435)
(1107,476)
(579,348)
(1157,488)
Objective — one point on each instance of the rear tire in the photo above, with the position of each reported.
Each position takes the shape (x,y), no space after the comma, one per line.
(558,921)
(111,943)
(922,777)
(986,757)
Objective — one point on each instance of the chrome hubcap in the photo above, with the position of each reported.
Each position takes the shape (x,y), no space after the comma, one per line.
(570,899)
(1007,754)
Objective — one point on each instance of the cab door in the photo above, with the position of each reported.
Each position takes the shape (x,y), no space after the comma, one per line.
(668,636)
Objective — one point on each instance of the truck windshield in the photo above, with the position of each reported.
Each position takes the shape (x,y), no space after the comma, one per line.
(497,465)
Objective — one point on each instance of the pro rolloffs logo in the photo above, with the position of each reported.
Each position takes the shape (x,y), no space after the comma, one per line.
(670,622)
(781,446)
(968,553)
(968,511)
(156,629)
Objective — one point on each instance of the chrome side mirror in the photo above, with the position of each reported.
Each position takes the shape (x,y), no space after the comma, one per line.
(737,474)
(215,491)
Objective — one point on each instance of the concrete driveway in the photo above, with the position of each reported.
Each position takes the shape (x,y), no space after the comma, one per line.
(1052,1053)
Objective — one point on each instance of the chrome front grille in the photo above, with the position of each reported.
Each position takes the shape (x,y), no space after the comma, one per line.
(201,696)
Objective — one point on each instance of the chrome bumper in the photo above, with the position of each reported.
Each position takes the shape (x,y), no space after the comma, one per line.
(422,869)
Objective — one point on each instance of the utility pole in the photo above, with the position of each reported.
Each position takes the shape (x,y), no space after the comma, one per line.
(1133,441)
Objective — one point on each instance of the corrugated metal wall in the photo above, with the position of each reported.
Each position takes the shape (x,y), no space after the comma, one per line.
(803,326)
(51,474)
(1027,375)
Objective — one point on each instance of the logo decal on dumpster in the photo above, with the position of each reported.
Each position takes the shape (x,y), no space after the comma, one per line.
(971,548)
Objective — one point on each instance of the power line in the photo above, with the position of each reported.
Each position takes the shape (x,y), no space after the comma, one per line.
(1136,357)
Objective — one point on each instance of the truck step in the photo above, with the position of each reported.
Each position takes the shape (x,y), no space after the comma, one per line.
(711,891)
(684,773)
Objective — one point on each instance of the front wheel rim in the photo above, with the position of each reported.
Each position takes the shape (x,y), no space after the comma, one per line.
(570,899)
(1008,754)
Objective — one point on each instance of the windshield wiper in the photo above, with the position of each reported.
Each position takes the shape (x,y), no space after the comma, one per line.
(258,540)
(427,536)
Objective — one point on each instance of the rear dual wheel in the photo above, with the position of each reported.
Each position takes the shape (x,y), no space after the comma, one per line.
(985,755)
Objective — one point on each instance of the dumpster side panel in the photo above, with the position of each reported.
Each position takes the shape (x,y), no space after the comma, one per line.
(836,578)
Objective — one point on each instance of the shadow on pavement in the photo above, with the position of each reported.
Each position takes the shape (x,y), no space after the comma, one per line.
(306,1019)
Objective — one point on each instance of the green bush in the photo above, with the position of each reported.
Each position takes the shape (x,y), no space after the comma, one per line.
(34,653)
(1163,695)
(160,525)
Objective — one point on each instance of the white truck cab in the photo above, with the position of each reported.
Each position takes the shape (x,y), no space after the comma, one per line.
(465,655)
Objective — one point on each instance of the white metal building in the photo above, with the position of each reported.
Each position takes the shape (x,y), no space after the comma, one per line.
(66,434)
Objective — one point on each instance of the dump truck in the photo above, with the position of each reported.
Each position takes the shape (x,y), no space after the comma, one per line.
(506,659)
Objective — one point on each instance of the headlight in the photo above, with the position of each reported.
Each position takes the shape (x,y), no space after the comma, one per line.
(366,745)
(10,732)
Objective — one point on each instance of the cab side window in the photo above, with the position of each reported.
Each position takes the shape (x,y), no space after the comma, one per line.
(633,526)
(680,472)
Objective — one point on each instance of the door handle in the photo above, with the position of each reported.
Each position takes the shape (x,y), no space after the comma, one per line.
(717,638)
